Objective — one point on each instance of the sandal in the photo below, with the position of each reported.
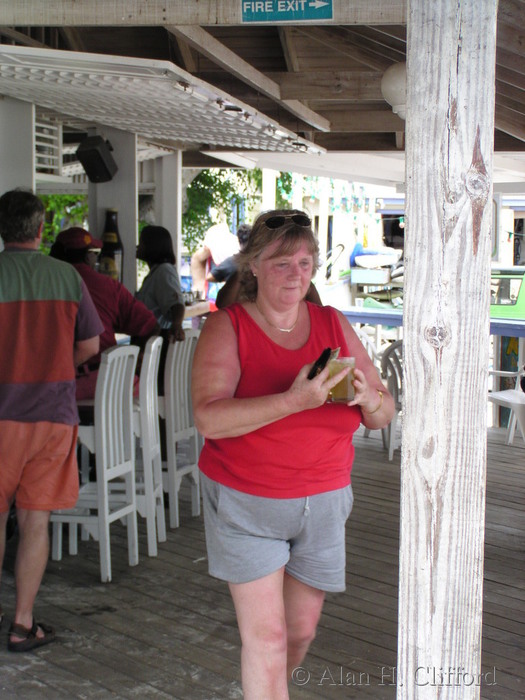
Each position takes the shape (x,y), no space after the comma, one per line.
(30,639)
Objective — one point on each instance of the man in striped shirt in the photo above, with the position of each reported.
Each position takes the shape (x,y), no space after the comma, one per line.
(48,326)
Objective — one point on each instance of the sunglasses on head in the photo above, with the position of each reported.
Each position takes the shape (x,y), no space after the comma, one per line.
(278,220)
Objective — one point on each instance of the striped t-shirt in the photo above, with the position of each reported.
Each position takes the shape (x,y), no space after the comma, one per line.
(44,308)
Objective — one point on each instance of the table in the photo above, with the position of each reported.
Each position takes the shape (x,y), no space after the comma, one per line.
(514,328)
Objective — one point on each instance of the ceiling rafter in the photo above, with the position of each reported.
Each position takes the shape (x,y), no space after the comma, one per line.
(331,85)
(338,40)
(289,51)
(21,38)
(217,52)
(371,41)
(510,122)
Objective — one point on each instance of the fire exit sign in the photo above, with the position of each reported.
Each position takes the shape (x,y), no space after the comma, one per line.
(286,10)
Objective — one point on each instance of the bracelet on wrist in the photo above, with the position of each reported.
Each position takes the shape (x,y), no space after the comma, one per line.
(376,409)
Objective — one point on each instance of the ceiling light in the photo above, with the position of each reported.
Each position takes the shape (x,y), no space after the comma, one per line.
(394,88)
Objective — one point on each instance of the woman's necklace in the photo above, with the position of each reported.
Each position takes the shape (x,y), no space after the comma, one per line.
(283,330)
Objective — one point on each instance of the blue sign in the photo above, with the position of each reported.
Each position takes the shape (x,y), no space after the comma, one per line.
(286,10)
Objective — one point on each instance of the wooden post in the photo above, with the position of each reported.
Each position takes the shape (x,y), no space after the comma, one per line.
(450,123)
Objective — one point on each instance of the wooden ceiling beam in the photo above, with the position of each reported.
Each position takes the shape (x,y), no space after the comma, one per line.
(330,85)
(364,120)
(512,94)
(377,44)
(357,142)
(205,43)
(337,39)
(510,77)
(510,37)
(507,59)
(186,56)
(161,13)
(510,122)
(288,47)
(21,38)
(72,38)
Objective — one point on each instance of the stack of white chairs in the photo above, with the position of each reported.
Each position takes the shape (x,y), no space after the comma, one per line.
(182,438)
(514,399)
(112,496)
(148,473)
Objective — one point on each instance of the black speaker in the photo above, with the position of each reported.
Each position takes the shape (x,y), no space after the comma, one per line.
(95,155)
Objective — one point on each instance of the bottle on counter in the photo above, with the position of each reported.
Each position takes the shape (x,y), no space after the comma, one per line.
(111,255)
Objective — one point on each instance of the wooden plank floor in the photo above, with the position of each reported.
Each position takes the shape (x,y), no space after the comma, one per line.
(165,629)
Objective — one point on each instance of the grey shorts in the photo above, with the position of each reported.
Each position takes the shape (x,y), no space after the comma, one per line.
(248,537)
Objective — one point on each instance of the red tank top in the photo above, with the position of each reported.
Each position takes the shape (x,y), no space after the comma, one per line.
(303,454)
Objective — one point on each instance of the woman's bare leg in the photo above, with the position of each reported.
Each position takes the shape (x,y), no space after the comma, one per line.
(302,605)
(262,624)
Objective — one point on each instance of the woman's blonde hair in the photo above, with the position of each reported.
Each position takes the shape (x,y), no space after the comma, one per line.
(290,235)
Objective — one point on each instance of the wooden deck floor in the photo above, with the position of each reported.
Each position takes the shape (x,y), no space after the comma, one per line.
(165,629)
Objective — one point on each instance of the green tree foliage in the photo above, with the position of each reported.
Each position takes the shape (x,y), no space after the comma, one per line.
(283,195)
(62,211)
(219,189)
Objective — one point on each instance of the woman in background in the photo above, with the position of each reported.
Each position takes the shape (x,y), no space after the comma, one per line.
(161,290)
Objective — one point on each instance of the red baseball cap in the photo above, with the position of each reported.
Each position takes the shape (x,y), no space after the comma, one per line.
(76,238)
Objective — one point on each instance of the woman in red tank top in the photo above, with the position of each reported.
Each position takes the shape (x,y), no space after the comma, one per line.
(277,457)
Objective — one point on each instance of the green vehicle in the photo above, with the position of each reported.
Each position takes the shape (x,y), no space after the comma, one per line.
(507,292)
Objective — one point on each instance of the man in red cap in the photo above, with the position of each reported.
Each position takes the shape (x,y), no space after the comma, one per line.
(118,309)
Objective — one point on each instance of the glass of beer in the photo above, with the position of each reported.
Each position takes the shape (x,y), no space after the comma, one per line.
(344,390)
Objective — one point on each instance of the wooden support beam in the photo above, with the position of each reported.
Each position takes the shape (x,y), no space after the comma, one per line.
(364,120)
(340,86)
(449,136)
(206,44)
(289,52)
(187,58)
(162,13)
(21,38)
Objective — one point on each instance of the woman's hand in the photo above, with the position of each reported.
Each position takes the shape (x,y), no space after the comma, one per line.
(365,395)
(376,403)
(310,393)
(176,334)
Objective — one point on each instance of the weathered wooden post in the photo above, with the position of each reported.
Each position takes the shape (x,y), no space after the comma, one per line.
(449,140)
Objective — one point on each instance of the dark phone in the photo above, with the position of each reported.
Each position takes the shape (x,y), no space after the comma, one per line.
(320,363)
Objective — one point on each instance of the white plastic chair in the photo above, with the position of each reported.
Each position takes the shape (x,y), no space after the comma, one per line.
(175,407)
(148,473)
(371,348)
(112,440)
(514,399)
(392,373)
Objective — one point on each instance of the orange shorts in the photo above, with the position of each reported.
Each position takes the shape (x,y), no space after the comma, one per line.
(38,465)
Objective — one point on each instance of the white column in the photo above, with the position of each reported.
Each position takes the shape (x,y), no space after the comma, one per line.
(17,145)
(449,144)
(297,191)
(269,180)
(168,198)
(119,193)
